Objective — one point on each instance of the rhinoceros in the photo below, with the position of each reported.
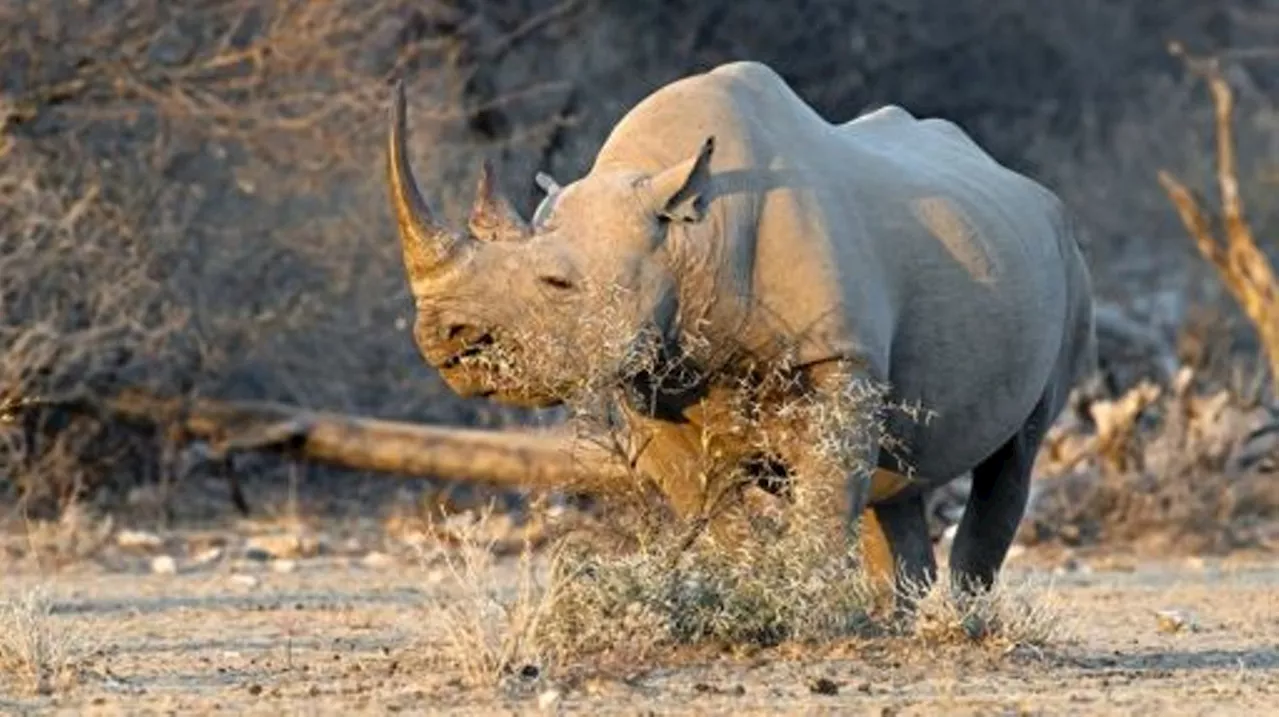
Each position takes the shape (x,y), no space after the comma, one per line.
(887,249)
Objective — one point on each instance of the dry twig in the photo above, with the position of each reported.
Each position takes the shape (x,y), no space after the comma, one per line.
(1243,266)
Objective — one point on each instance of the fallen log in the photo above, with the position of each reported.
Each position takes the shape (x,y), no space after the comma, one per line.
(551,460)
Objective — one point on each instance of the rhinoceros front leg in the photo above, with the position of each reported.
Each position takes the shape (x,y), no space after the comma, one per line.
(907,530)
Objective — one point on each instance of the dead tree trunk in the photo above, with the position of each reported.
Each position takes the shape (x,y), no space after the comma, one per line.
(538,461)
(1243,266)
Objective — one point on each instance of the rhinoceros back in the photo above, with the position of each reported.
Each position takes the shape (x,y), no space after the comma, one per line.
(888,239)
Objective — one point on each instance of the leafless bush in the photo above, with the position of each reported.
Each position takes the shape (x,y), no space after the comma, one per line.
(667,595)
(481,624)
(578,608)
(1162,468)
(1240,262)
(1186,463)
(64,330)
(36,655)
(188,196)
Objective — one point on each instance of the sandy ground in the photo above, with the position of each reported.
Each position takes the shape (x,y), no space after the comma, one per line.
(340,634)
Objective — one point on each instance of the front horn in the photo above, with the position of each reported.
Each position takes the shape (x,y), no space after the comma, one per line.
(427,245)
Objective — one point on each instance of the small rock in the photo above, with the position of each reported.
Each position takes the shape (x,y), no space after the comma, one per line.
(255,689)
(206,557)
(139,540)
(377,560)
(284,566)
(144,496)
(257,555)
(164,565)
(244,581)
(548,699)
(1073,565)
(284,545)
(824,686)
(1171,622)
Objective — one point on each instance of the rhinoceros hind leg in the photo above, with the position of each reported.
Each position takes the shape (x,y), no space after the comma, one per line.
(995,506)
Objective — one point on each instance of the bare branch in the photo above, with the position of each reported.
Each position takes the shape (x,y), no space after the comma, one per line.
(1241,264)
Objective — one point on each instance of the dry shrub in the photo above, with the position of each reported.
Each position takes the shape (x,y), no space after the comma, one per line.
(1008,616)
(758,418)
(666,596)
(1243,266)
(1160,468)
(583,607)
(480,624)
(36,655)
(75,534)
(185,205)
(63,332)
(490,621)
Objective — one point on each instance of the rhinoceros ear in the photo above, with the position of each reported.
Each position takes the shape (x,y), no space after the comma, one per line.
(681,191)
(493,217)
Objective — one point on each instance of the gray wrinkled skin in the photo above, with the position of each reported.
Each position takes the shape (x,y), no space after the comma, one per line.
(887,243)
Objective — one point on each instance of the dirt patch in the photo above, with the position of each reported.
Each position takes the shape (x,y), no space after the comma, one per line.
(344,632)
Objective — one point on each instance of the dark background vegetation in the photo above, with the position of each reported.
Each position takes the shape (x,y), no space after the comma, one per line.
(191,192)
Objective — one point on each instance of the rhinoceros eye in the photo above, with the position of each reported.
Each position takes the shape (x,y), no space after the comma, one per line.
(556,282)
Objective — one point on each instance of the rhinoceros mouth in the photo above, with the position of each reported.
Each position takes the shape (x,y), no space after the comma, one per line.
(473,350)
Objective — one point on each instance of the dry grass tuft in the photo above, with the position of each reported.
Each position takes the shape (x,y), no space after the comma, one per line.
(37,656)
(78,533)
(479,624)
(1006,617)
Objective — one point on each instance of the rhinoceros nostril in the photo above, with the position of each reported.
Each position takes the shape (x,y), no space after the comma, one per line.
(476,347)
(470,349)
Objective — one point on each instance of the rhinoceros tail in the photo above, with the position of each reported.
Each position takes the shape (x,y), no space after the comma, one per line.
(1081,333)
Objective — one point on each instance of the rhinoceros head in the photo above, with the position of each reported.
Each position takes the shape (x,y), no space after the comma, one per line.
(589,280)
